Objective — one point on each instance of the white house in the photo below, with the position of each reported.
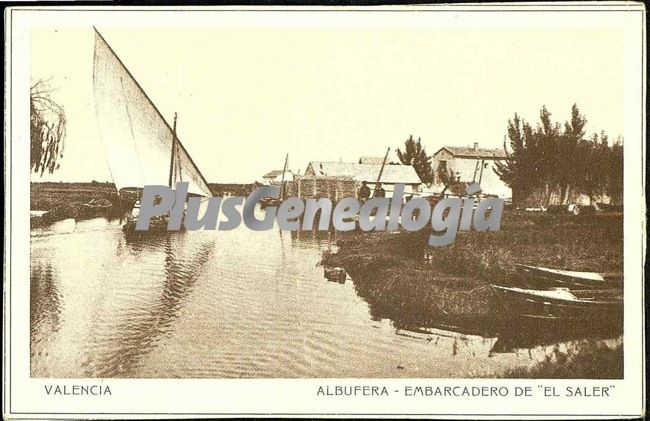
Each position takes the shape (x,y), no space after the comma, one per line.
(472,164)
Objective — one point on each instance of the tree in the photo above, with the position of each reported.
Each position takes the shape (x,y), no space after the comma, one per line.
(450,181)
(555,159)
(571,154)
(47,129)
(415,155)
(518,169)
(614,186)
(595,172)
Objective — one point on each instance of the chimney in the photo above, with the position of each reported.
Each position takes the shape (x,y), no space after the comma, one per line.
(475,145)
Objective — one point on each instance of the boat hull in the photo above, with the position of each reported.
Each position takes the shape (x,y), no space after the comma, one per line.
(525,304)
(156,226)
(538,277)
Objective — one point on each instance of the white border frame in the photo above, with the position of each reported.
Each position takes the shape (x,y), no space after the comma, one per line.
(24,397)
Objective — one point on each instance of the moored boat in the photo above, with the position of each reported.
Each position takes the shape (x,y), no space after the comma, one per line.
(541,277)
(38,218)
(560,303)
(96,207)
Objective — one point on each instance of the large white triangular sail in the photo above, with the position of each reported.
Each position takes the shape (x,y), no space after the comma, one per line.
(141,147)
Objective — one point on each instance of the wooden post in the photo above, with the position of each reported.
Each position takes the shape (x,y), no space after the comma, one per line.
(476,170)
(381,170)
(480,177)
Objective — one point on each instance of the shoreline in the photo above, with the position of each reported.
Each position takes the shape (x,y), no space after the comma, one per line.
(451,287)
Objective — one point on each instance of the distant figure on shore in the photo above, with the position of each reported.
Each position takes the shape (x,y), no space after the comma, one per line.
(136,209)
(364,192)
(379,191)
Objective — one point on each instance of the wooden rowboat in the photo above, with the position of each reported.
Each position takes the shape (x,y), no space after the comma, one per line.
(541,277)
(561,303)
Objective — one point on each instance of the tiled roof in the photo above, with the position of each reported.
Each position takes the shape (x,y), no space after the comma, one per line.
(468,152)
(366,172)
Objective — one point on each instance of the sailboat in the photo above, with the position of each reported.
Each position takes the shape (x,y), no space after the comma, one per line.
(141,147)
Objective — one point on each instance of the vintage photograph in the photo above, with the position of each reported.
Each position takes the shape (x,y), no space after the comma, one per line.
(530,119)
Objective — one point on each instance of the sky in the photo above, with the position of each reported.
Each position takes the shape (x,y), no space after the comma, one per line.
(247,96)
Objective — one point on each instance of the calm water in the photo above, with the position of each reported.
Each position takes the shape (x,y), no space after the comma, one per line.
(221,304)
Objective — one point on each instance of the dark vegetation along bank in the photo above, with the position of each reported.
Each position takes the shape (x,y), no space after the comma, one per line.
(70,200)
(66,200)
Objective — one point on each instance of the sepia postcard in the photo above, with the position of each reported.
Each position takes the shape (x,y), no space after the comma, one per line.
(392,211)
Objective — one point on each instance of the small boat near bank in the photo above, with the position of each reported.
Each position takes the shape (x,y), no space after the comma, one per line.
(95,207)
(38,218)
(560,303)
(542,277)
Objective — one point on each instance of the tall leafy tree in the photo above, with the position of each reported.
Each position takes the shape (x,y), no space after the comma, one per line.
(571,154)
(517,170)
(595,172)
(559,160)
(47,129)
(614,186)
(414,154)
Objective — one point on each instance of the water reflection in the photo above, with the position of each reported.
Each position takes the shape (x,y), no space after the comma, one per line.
(231,304)
(530,334)
(137,334)
(45,309)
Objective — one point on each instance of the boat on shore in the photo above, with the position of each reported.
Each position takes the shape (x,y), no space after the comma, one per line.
(141,147)
(541,277)
(561,304)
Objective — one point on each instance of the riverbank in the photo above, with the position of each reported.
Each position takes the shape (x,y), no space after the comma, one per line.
(451,286)
(66,200)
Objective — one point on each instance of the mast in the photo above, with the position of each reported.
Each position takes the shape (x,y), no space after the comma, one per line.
(475,171)
(171,161)
(284,170)
(480,177)
(381,170)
